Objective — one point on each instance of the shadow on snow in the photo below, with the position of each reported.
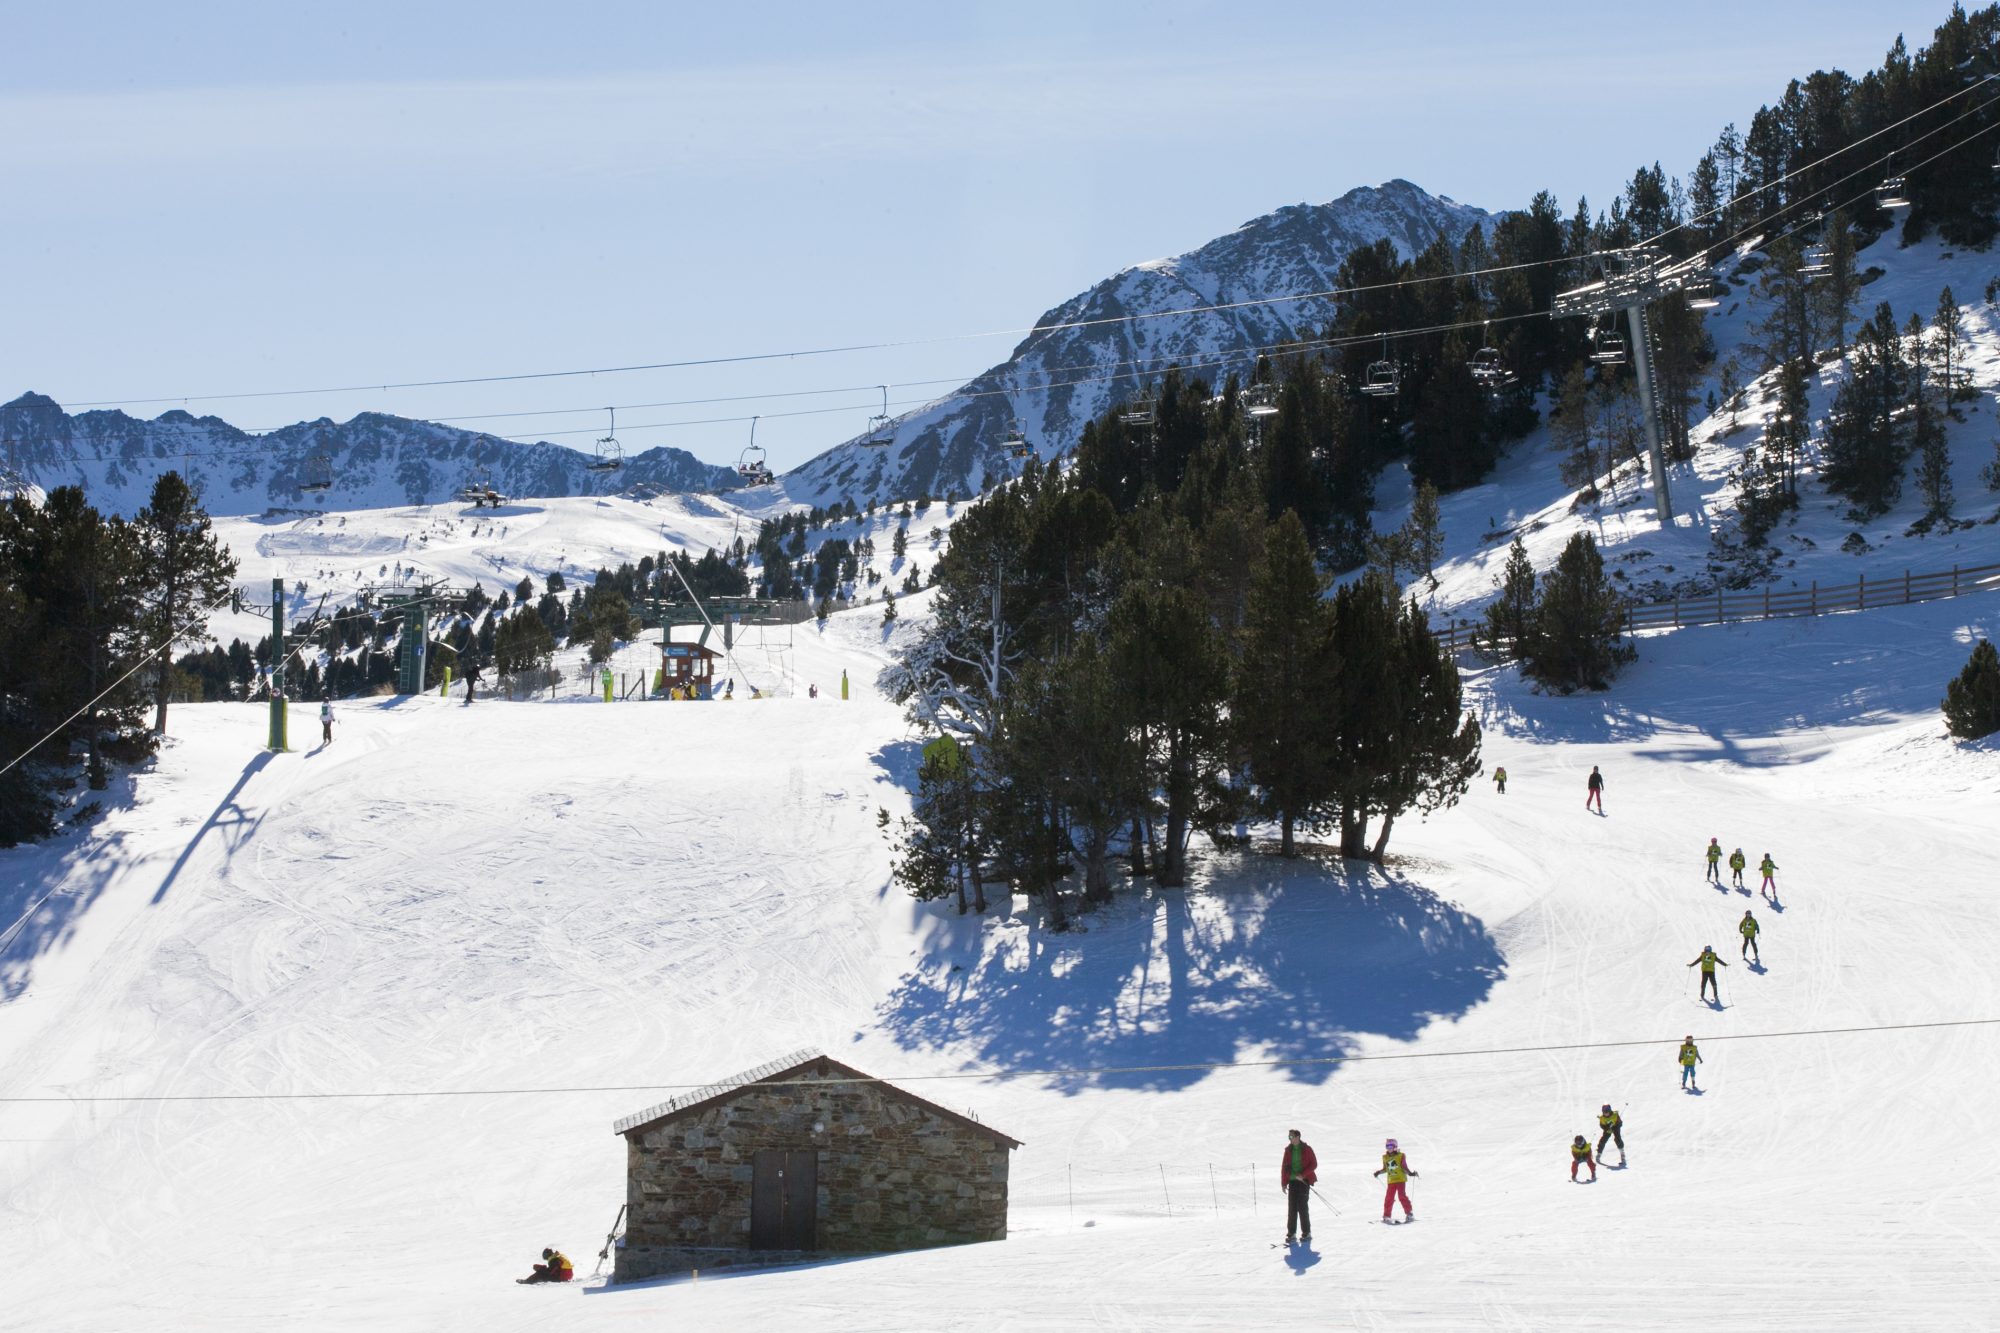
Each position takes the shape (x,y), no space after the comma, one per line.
(1259,958)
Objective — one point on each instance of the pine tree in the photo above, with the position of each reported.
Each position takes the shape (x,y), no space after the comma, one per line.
(1426,531)
(186,572)
(1946,350)
(1280,707)
(1577,640)
(1972,700)
(1435,755)
(889,607)
(1864,452)
(899,544)
(1927,434)
(1511,615)
(1572,428)
(1835,291)
(1366,706)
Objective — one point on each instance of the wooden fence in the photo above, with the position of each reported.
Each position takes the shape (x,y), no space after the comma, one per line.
(1728,608)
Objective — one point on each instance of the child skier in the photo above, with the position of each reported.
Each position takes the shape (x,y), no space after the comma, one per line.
(555,1267)
(1500,780)
(1297,1170)
(1768,868)
(1612,1127)
(1714,858)
(1748,929)
(1690,1057)
(326,722)
(1594,790)
(1397,1167)
(1709,962)
(1736,864)
(1579,1155)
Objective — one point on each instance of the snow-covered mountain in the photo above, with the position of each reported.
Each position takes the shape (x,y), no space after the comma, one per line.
(1061,376)
(373,460)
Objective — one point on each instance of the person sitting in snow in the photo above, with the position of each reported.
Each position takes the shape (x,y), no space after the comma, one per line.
(555,1267)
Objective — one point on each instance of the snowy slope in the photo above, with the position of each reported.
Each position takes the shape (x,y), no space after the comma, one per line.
(1817,543)
(597,897)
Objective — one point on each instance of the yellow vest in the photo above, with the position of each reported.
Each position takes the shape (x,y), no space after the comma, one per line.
(1579,1151)
(1689,1054)
(1398,1169)
(1608,1121)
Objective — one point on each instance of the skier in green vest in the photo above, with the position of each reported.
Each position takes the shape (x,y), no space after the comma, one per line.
(1708,961)
(1690,1057)
(1736,863)
(1714,859)
(1748,929)
(1768,868)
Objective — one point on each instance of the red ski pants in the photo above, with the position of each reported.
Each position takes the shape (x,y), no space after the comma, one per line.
(1396,1193)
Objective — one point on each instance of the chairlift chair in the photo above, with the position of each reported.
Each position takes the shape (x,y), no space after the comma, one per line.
(1607,347)
(1138,411)
(319,475)
(1014,443)
(1260,401)
(750,465)
(1489,369)
(1892,193)
(1704,295)
(610,454)
(880,434)
(1817,262)
(1382,380)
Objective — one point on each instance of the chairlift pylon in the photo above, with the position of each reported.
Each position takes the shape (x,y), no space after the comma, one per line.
(750,465)
(610,454)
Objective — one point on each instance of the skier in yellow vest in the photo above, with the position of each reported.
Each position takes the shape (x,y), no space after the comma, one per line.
(1736,863)
(1612,1130)
(1397,1168)
(1708,962)
(1748,929)
(1714,856)
(1690,1057)
(1768,868)
(1500,780)
(1579,1155)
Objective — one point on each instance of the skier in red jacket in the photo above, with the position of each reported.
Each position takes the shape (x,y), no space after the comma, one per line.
(1297,1170)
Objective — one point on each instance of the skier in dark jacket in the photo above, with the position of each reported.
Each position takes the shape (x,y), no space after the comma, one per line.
(1297,1170)
(471,680)
(1594,793)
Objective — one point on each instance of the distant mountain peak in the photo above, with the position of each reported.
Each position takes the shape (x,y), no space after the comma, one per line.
(1095,348)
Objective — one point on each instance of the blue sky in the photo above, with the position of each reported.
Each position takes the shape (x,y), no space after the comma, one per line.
(204,199)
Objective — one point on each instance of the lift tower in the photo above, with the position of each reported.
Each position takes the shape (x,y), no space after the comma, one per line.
(1630,280)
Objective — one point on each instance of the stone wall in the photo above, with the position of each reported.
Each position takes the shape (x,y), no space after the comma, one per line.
(892,1175)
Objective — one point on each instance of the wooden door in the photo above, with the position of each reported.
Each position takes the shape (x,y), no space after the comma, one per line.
(784,1199)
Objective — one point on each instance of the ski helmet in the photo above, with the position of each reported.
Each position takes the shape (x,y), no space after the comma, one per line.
(1390,1145)
(1579,1138)
(1607,1108)
(547,1253)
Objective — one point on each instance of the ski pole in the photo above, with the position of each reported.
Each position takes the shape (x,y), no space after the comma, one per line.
(1323,1199)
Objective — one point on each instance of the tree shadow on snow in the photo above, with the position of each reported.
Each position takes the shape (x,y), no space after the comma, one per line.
(1259,958)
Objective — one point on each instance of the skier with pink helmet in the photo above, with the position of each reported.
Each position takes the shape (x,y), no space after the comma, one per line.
(1397,1168)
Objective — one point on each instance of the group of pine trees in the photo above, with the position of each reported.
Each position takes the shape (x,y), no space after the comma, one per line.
(1142,646)
(91,607)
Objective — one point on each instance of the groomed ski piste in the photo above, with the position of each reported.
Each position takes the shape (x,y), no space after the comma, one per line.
(506,925)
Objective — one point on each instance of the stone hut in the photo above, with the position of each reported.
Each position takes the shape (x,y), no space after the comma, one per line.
(803,1156)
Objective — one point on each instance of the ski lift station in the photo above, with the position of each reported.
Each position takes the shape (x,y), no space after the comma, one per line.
(804,1156)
